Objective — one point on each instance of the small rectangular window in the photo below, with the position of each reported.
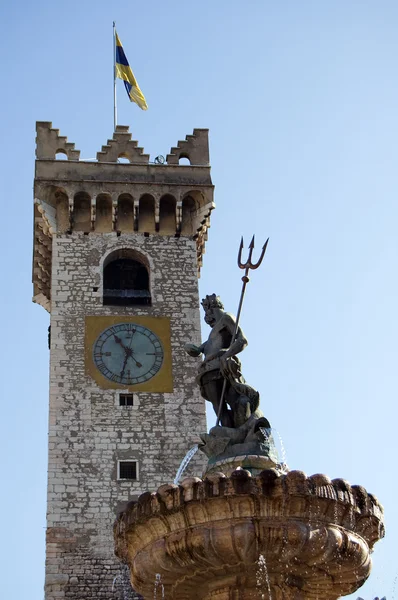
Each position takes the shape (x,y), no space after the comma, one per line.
(126,400)
(128,469)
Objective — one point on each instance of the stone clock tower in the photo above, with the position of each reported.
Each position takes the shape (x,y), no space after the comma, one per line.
(117,250)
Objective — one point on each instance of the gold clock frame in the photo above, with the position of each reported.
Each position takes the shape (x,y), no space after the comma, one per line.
(161,382)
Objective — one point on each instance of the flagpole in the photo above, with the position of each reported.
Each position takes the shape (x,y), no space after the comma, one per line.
(114,78)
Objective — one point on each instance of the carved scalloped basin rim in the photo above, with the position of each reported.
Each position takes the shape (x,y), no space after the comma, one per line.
(202,534)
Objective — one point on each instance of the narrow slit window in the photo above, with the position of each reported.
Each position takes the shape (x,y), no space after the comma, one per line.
(128,469)
(126,400)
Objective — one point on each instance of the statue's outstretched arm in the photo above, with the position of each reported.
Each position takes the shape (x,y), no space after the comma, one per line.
(193,350)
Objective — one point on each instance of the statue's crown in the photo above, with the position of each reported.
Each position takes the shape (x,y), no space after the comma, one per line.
(212,301)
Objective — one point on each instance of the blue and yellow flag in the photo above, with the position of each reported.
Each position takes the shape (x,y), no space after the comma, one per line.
(123,71)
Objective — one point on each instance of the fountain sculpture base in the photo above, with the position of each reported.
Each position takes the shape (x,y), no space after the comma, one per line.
(274,535)
(250,462)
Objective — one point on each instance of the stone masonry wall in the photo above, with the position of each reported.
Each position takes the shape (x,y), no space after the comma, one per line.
(88,430)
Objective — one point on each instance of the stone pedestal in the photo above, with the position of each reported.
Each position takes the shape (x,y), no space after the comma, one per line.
(274,535)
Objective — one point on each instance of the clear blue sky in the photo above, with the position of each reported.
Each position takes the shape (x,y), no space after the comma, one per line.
(301,99)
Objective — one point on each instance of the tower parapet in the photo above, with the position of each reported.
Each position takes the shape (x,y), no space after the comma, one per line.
(107,196)
(49,143)
(195,148)
(122,146)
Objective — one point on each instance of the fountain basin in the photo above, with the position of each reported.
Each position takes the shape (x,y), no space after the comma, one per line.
(204,538)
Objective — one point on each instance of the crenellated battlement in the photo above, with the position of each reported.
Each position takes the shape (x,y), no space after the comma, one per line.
(75,196)
(195,148)
(49,143)
(122,146)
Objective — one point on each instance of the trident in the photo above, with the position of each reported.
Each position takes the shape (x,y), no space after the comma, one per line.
(247,266)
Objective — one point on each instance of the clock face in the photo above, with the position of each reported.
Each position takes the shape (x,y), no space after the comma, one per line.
(128,353)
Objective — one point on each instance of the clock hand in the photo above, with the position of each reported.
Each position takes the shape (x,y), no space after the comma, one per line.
(129,354)
(124,365)
(128,351)
(119,341)
(139,365)
(132,335)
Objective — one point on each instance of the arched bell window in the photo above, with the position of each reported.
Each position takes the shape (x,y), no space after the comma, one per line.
(126,280)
